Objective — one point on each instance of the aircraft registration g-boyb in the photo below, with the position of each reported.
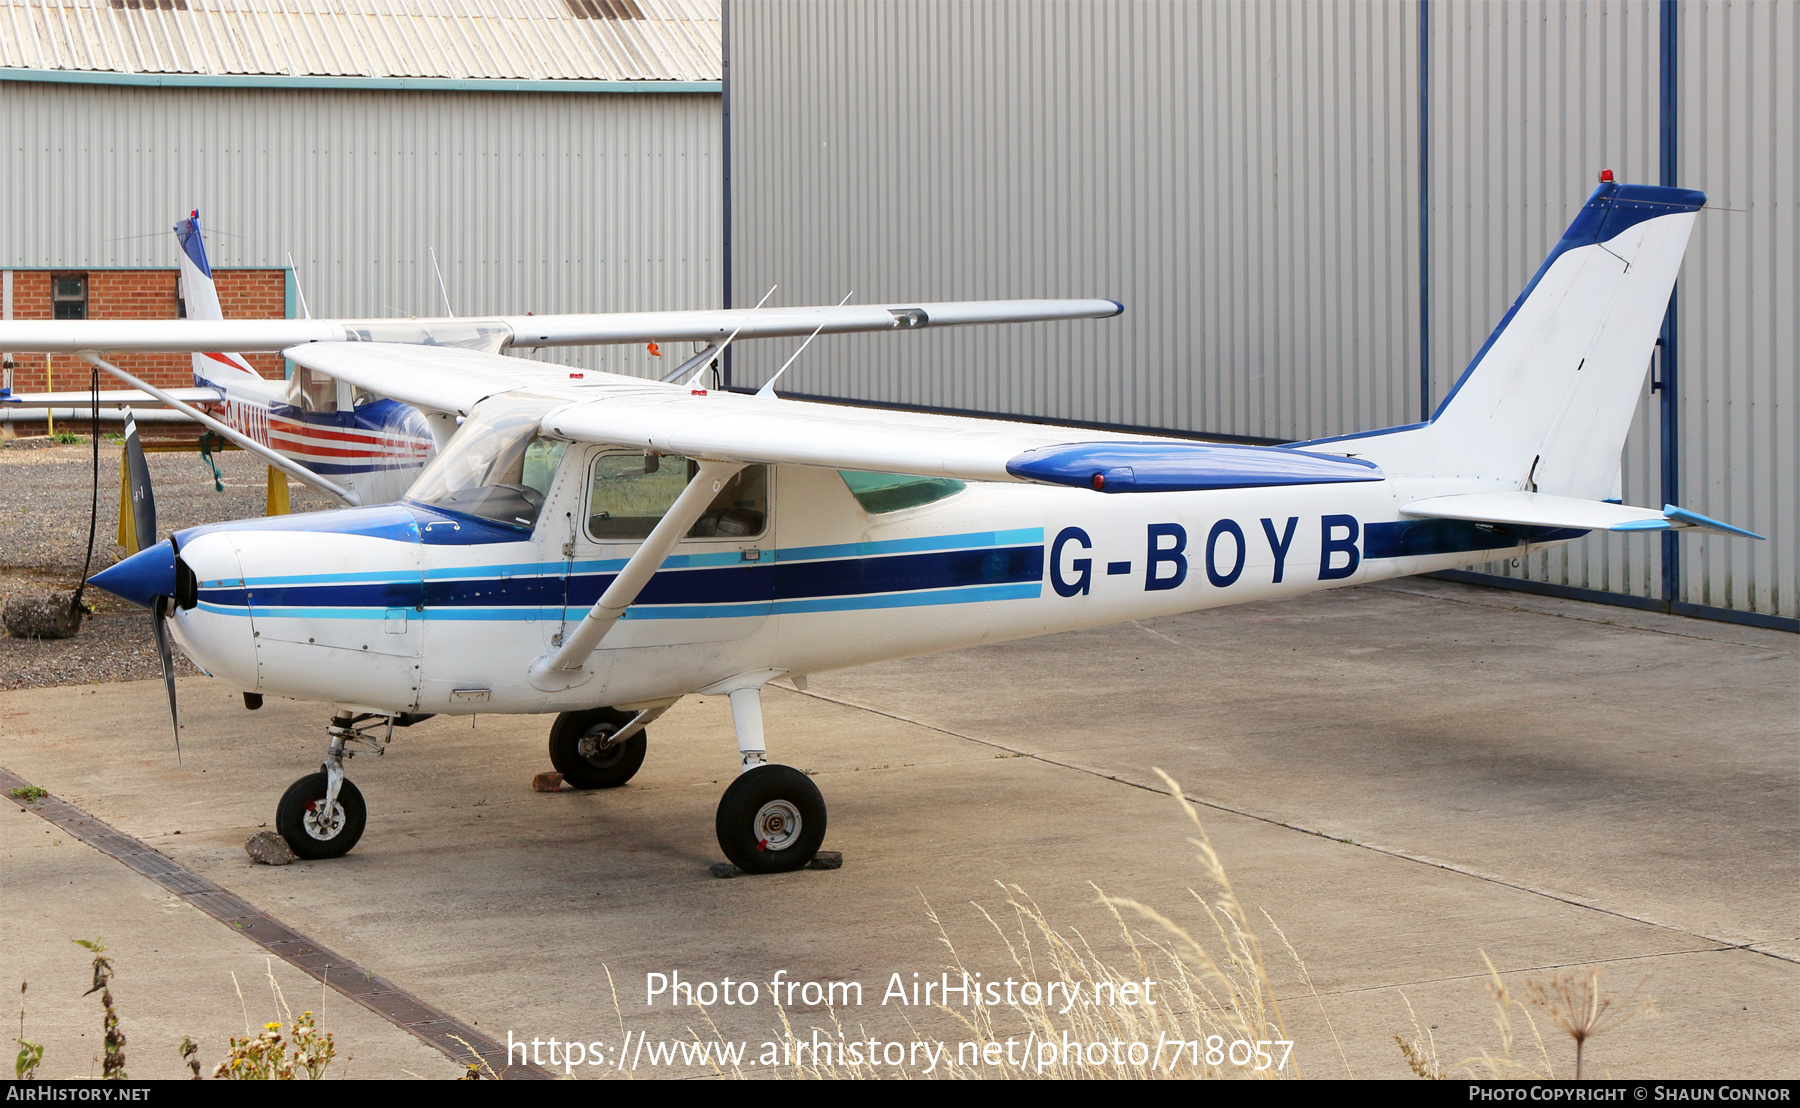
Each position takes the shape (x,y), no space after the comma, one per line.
(599,546)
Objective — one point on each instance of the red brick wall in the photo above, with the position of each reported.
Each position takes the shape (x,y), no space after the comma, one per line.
(138,294)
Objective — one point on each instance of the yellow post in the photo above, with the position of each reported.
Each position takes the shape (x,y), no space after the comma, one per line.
(277,499)
(127,522)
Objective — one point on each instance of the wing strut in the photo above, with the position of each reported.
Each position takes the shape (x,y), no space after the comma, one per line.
(680,372)
(278,460)
(566,668)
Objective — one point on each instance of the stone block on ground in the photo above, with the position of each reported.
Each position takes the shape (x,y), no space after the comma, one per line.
(269,848)
(41,616)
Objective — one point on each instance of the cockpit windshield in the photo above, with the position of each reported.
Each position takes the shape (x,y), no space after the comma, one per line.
(497,467)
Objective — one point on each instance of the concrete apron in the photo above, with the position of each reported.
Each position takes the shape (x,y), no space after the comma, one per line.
(1405,777)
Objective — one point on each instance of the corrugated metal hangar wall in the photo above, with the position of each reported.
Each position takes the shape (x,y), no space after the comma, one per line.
(544,202)
(1297,255)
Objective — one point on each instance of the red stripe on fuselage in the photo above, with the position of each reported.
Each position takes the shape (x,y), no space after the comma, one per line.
(314,450)
(281,424)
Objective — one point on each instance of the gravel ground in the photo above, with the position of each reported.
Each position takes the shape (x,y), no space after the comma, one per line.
(44,502)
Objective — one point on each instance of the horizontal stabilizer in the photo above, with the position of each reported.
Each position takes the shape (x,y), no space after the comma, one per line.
(1537,509)
(109,398)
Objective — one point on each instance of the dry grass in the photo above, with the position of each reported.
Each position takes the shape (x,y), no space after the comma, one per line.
(1214,998)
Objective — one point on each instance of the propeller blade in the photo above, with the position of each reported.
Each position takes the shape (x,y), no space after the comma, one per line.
(159,612)
(143,500)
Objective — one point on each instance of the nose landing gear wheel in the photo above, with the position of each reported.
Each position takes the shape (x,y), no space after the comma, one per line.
(771,820)
(580,752)
(310,829)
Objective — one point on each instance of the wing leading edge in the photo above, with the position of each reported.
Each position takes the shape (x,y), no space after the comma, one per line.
(723,426)
(528,331)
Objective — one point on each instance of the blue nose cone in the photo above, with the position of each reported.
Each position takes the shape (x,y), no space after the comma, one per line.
(142,577)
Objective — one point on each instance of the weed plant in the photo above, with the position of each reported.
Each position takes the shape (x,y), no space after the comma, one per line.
(268,1055)
(1574,1002)
(112,1063)
(30,1054)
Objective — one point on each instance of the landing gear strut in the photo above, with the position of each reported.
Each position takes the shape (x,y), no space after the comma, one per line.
(771,818)
(322,815)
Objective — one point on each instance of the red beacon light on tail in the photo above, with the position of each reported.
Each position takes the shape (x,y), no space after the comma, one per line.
(1606,176)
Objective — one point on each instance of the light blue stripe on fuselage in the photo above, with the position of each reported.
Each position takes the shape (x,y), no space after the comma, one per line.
(912,546)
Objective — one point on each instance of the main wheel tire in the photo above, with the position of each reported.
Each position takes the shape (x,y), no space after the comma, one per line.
(771,820)
(310,833)
(577,755)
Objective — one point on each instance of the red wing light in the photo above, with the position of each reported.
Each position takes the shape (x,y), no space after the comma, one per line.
(1099,481)
(699,392)
(576,376)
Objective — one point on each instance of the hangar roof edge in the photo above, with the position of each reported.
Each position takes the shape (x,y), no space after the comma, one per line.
(481,45)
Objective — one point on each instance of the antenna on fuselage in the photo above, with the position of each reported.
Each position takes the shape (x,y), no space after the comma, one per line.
(722,346)
(440,276)
(305,312)
(768,388)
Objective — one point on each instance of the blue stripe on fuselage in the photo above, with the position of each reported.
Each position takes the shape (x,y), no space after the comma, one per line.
(776,585)
(977,594)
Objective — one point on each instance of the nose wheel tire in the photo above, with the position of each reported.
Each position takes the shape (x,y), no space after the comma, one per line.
(580,752)
(310,829)
(771,820)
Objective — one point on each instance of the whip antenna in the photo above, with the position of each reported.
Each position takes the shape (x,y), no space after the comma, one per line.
(440,276)
(305,312)
(768,388)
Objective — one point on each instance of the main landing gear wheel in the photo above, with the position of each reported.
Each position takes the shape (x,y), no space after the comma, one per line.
(312,831)
(580,752)
(771,820)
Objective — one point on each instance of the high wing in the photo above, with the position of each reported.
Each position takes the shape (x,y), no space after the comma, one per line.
(723,426)
(528,331)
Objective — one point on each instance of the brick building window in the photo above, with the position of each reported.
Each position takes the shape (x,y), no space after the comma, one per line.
(68,296)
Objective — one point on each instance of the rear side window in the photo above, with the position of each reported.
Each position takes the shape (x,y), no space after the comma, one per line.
(890,492)
(629,493)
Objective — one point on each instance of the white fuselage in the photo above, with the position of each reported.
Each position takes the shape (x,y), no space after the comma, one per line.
(407,609)
(375,449)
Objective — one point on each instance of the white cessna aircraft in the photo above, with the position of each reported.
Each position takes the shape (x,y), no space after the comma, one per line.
(599,546)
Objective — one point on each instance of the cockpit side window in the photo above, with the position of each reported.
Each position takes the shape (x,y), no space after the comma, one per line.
(629,493)
(496,468)
(312,392)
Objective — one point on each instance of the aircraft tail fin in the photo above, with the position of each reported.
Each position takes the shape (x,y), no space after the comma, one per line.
(201,298)
(1547,402)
